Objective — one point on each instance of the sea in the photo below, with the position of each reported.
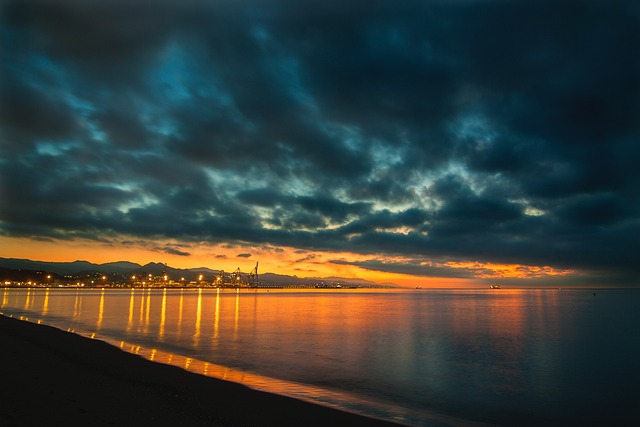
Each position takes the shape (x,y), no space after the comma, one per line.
(418,357)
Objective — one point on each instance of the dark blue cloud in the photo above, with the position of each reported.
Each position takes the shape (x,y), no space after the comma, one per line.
(465,130)
(175,251)
(411,267)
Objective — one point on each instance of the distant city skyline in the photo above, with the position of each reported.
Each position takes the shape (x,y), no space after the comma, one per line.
(17,272)
(431,143)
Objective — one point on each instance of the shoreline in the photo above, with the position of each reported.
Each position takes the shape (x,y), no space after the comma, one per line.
(54,375)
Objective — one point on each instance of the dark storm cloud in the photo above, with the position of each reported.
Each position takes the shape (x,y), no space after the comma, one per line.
(174,251)
(308,258)
(319,208)
(411,267)
(495,131)
(26,110)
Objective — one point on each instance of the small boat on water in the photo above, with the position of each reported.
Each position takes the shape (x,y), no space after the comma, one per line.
(494,287)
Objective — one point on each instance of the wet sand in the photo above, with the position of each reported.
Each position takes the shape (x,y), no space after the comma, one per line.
(54,377)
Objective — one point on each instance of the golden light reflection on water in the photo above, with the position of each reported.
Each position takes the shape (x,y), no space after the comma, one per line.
(45,303)
(140,321)
(330,330)
(131,305)
(100,311)
(196,335)
(148,312)
(236,315)
(27,301)
(163,314)
(77,305)
(216,322)
(180,310)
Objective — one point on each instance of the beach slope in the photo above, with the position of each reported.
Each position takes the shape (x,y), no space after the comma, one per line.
(50,376)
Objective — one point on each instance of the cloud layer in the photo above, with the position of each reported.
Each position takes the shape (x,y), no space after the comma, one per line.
(492,131)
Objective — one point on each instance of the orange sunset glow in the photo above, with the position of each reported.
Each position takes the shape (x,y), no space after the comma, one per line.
(389,213)
(394,152)
(287,261)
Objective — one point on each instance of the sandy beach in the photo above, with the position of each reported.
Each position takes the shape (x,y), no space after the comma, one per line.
(55,377)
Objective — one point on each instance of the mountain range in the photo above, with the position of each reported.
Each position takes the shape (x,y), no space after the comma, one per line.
(127,268)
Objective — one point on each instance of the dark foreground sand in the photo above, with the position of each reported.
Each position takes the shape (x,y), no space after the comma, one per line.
(52,377)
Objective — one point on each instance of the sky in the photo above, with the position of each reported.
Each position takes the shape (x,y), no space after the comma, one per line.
(431,143)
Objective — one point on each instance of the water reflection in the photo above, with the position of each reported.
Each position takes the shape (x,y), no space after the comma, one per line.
(180,312)
(27,302)
(196,335)
(163,314)
(236,315)
(77,305)
(332,398)
(100,311)
(148,312)
(131,305)
(45,303)
(509,349)
(216,324)
(141,307)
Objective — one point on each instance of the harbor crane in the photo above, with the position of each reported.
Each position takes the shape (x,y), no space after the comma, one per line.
(253,277)
(237,279)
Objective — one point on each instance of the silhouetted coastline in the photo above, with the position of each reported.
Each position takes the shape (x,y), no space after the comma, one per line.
(53,376)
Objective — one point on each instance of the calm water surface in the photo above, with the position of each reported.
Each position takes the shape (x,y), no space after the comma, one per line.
(428,357)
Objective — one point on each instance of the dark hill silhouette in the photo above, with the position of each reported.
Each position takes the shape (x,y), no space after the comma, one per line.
(127,268)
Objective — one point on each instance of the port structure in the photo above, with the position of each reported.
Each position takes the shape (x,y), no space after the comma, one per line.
(253,277)
(235,279)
